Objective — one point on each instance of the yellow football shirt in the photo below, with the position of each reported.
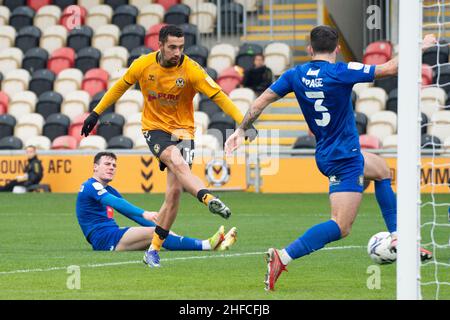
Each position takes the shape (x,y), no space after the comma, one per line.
(168,93)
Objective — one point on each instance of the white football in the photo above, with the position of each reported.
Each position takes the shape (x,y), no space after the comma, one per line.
(378,248)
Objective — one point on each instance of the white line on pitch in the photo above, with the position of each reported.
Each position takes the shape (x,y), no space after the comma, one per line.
(98,265)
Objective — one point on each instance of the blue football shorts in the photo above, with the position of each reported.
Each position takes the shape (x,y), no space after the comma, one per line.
(107,238)
(345,175)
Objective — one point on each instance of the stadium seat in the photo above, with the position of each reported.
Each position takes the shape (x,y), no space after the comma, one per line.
(125,15)
(432,100)
(53,37)
(4,101)
(120,142)
(106,36)
(360,87)
(152,36)
(93,142)
(177,14)
(221,126)
(378,52)
(67,81)
(442,78)
(89,4)
(75,103)
(137,52)
(80,38)
(95,80)
(88,58)
(39,142)
(98,16)
(96,99)
(305,142)
(29,125)
(277,57)
(150,15)
(430,56)
(231,16)
(361,122)
(447,145)
(201,122)
(11,143)
(221,57)
(392,101)
(194,3)
(7,36)
(113,59)
(4,16)
(131,102)
(242,98)
(7,124)
(371,100)
(27,38)
(388,83)
(56,125)
(73,16)
(10,59)
(35,59)
(382,124)
(65,143)
(15,81)
(440,125)
(167,3)
(133,126)
(424,123)
(428,141)
(41,81)
(21,17)
(49,103)
(390,142)
(427,75)
(204,16)
(369,142)
(37,4)
(139,4)
(198,53)
(229,79)
(141,144)
(212,73)
(115,75)
(13,4)
(246,54)
(207,142)
(190,34)
(115,3)
(61,59)
(110,125)
(77,124)
(47,16)
(249,5)
(132,37)
(22,103)
(208,106)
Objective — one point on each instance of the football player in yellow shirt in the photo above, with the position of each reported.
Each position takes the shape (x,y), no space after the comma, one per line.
(169,80)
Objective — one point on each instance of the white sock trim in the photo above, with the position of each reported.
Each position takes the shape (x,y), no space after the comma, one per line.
(285,257)
(206,245)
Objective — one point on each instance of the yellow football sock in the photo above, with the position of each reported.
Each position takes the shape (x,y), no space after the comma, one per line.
(156,242)
(207,198)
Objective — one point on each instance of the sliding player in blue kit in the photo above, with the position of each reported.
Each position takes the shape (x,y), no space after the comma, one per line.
(323,89)
(95,206)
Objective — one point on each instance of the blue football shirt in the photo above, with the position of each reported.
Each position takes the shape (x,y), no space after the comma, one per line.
(323,91)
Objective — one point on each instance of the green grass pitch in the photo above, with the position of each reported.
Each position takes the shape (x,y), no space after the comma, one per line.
(40,239)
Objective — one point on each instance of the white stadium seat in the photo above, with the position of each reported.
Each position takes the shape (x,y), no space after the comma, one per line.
(371,101)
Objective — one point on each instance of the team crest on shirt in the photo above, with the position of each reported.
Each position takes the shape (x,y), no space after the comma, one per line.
(361,180)
(180,82)
(334,180)
(156,148)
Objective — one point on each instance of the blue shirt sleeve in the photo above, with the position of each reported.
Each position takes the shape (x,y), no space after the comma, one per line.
(283,85)
(121,205)
(355,72)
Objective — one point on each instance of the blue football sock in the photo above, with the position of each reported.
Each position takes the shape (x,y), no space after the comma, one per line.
(388,203)
(314,239)
(177,243)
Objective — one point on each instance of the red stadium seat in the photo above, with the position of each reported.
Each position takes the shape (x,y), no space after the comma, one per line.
(73,16)
(427,75)
(152,36)
(64,143)
(369,142)
(95,80)
(77,124)
(229,79)
(167,3)
(378,52)
(62,58)
(37,4)
(4,100)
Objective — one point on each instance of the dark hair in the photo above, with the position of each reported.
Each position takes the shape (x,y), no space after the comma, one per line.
(99,155)
(324,39)
(170,30)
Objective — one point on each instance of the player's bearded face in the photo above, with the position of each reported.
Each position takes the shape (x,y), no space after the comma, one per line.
(105,169)
(171,51)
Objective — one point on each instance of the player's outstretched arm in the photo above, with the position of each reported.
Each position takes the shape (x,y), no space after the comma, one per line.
(236,139)
(390,68)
